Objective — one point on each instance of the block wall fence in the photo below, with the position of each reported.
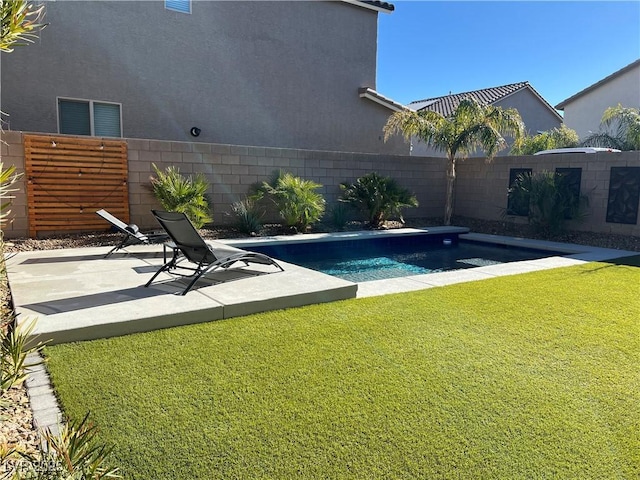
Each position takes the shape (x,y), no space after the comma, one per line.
(481,189)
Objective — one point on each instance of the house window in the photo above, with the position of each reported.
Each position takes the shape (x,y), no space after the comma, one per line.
(182,6)
(86,117)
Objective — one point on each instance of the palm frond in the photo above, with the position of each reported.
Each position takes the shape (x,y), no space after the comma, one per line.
(20,23)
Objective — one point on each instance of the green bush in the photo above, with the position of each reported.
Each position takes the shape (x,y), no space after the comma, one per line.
(297,201)
(187,195)
(551,201)
(378,198)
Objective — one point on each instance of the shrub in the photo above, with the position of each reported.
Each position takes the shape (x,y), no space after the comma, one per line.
(248,216)
(619,128)
(339,215)
(73,454)
(8,177)
(297,201)
(187,195)
(378,198)
(14,349)
(563,137)
(551,201)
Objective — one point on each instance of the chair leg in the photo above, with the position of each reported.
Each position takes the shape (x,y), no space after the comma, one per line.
(164,268)
(196,276)
(117,247)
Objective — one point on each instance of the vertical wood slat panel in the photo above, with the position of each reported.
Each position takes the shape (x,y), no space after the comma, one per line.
(69,178)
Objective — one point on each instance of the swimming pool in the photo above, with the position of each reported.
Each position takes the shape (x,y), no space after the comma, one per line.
(399,256)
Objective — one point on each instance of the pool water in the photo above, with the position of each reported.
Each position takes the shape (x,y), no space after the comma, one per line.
(366,260)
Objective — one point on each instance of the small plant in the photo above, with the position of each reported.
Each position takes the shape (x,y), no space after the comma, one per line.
(8,177)
(14,349)
(248,216)
(73,454)
(339,215)
(378,198)
(187,195)
(296,199)
(551,201)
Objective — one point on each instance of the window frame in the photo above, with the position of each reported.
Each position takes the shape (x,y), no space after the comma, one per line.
(91,113)
(166,7)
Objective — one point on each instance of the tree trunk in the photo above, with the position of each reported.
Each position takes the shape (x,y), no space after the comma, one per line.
(451,180)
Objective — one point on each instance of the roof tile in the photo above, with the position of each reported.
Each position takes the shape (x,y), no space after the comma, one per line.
(447,104)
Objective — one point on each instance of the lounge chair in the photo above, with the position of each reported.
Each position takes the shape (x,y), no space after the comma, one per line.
(131,233)
(206,256)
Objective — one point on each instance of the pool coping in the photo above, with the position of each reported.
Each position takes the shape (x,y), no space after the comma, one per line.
(343,236)
(572,254)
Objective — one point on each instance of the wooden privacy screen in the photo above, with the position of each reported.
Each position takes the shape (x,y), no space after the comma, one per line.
(69,178)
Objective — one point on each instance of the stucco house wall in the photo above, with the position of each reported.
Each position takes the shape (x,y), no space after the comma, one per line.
(584,111)
(535,114)
(280,74)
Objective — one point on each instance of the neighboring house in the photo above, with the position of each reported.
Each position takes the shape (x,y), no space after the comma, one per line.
(535,111)
(583,111)
(271,73)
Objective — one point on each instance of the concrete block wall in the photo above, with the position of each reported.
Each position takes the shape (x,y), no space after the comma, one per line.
(232,169)
(12,153)
(481,190)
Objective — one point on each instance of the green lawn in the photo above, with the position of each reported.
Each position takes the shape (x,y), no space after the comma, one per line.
(527,376)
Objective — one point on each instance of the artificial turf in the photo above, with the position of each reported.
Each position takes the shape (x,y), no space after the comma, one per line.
(527,376)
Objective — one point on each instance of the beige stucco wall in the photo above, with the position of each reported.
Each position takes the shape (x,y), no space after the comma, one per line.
(585,112)
(272,73)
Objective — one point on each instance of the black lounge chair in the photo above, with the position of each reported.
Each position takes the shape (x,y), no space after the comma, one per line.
(131,232)
(206,256)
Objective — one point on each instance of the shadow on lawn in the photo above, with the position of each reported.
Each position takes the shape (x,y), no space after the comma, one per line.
(633,261)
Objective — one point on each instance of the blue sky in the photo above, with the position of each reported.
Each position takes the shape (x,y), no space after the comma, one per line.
(428,49)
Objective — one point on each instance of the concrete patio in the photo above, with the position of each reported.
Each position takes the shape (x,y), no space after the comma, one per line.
(77,294)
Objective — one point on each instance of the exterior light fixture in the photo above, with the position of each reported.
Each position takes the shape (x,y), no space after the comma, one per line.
(195,131)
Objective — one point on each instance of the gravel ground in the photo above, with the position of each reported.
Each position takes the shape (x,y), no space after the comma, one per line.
(623,242)
(16,426)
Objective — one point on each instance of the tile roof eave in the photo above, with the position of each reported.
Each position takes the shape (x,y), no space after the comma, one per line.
(376,5)
(432,103)
(371,94)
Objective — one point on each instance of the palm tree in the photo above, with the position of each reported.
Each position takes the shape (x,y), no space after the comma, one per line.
(19,22)
(621,129)
(471,126)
